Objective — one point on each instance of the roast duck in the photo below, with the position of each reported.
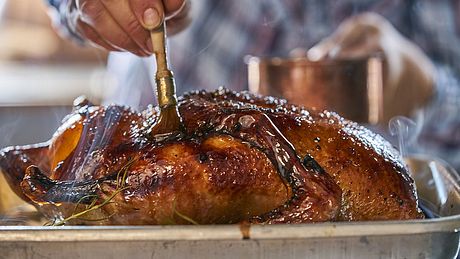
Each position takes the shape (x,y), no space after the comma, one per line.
(238,158)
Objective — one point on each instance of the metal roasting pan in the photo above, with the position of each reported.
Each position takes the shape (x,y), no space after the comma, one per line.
(437,237)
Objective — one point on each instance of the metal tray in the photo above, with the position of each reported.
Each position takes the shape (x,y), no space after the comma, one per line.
(437,237)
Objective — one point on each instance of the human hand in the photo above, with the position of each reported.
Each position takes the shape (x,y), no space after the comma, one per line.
(408,72)
(123,25)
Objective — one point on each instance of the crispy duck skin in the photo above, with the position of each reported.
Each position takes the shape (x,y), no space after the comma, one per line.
(239,157)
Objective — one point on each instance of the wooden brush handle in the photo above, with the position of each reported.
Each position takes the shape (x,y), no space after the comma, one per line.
(168,120)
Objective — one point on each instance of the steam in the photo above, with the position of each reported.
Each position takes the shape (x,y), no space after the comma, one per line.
(406,131)
(8,128)
(133,78)
(95,138)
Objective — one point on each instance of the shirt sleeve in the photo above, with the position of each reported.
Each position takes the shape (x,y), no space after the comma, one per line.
(440,133)
(434,27)
(61,16)
(55,3)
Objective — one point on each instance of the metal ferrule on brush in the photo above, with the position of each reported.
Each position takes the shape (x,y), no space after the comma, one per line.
(166,88)
(166,85)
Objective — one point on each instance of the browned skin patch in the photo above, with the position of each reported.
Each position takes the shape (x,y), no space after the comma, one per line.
(224,169)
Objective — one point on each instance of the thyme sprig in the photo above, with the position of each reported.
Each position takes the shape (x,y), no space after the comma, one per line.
(93,206)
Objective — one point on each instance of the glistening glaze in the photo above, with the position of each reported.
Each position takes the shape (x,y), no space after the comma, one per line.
(240,157)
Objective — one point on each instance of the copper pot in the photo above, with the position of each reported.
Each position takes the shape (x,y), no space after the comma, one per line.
(351,87)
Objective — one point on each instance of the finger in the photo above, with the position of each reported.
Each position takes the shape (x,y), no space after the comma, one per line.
(180,21)
(332,45)
(96,40)
(347,38)
(149,13)
(89,33)
(121,12)
(298,53)
(322,50)
(357,52)
(96,15)
(357,40)
(173,7)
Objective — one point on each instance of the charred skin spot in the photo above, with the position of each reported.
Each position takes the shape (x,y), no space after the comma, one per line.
(310,163)
(203,157)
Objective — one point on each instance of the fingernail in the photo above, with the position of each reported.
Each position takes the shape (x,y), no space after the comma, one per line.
(314,54)
(151,18)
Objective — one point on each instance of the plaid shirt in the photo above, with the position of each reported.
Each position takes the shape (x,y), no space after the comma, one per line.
(210,53)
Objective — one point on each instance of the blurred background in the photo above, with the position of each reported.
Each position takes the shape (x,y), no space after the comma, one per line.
(41,74)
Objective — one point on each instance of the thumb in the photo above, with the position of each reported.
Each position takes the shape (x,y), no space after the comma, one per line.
(149,13)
